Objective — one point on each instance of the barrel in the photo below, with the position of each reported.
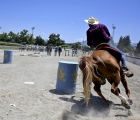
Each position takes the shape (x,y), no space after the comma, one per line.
(67,77)
(8,54)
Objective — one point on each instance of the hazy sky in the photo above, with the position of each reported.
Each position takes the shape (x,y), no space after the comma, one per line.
(66,17)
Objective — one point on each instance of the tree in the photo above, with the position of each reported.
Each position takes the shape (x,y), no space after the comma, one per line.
(4,37)
(125,45)
(54,39)
(76,45)
(137,51)
(17,39)
(86,48)
(29,39)
(39,40)
(120,44)
(23,36)
(126,41)
(128,49)
(12,36)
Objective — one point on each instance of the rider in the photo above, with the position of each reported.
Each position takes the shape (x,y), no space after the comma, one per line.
(99,33)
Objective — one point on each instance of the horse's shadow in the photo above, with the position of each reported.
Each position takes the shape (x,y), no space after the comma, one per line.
(96,106)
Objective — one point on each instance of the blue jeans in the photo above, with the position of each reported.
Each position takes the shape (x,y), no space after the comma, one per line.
(122,57)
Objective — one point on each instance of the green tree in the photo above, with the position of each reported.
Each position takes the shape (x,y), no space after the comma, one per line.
(54,39)
(39,40)
(29,39)
(120,44)
(23,36)
(137,51)
(17,39)
(12,36)
(125,45)
(76,45)
(4,37)
(86,48)
(126,41)
(128,49)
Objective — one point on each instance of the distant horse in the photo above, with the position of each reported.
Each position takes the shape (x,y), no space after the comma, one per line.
(102,65)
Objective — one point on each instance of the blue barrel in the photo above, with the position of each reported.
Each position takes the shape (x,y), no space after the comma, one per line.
(67,77)
(8,54)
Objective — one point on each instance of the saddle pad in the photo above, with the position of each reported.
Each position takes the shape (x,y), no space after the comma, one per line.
(112,51)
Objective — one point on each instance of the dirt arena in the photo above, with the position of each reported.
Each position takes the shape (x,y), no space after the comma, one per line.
(41,101)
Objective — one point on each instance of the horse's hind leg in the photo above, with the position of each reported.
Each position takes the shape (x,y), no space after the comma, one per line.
(114,89)
(98,90)
(124,82)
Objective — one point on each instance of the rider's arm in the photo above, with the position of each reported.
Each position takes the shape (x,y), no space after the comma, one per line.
(105,32)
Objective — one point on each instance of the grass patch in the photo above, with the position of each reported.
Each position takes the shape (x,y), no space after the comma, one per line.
(9,47)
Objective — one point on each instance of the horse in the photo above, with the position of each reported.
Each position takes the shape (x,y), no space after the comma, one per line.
(100,66)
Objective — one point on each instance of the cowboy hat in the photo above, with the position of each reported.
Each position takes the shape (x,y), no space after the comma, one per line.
(92,21)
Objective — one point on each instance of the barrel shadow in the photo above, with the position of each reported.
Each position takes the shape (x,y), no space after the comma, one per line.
(54,91)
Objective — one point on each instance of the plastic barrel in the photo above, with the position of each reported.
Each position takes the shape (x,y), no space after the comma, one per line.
(67,77)
(8,54)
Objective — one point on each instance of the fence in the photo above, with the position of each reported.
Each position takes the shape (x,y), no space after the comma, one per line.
(134,60)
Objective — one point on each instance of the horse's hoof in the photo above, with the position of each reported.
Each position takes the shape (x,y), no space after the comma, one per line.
(127,106)
(130,101)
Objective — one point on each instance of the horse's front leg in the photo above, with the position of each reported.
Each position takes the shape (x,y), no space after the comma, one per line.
(98,90)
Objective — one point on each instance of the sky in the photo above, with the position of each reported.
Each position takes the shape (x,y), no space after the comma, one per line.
(66,17)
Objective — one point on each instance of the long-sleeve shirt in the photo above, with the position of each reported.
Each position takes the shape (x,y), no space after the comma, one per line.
(97,34)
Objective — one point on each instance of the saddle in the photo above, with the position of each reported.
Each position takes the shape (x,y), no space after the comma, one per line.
(112,51)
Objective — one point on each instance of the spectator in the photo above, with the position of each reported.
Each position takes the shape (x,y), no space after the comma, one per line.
(59,50)
(55,50)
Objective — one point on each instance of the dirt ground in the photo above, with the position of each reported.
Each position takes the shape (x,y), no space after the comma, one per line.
(41,100)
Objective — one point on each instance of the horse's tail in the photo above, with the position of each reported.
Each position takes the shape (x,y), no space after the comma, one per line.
(89,69)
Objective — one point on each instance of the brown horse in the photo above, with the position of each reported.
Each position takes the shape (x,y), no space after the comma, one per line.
(99,67)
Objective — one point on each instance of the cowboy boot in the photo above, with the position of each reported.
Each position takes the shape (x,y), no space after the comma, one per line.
(127,72)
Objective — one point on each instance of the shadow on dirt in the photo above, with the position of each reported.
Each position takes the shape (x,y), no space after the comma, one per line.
(95,107)
(54,91)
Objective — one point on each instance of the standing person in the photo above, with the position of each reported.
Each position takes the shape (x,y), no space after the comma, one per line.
(76,51)
(47,49)
(36,48)
(59,50)
(98,33)
(73,52)
(55,51)
(50,50)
